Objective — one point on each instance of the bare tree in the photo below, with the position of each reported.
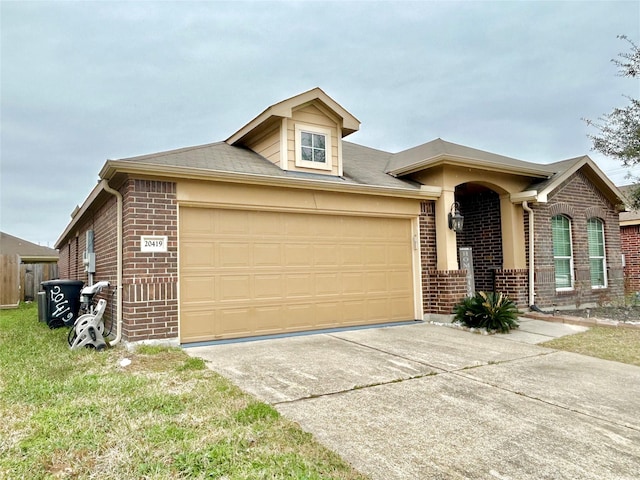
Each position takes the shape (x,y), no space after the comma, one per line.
(619,131)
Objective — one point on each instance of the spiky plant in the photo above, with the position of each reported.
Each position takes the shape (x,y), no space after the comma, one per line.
(493,311)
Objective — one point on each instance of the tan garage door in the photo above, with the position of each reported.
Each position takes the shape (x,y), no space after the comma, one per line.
(246,273)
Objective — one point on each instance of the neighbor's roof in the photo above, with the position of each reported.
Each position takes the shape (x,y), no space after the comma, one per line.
(10,245)
(631,217)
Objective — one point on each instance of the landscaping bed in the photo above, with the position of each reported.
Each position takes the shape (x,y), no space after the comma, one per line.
(619,314)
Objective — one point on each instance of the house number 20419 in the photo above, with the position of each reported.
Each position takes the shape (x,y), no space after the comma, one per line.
(153,243)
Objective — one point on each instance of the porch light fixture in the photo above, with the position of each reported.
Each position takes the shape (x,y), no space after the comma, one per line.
(455,218)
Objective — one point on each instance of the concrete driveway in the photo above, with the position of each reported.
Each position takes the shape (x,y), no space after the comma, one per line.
(431,402)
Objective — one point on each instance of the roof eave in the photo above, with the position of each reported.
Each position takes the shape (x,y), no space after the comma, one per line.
(112,167)
(469,162)
(79,212)
(613,193)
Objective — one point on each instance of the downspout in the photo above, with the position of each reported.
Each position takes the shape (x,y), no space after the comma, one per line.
(532,297)
(118,196)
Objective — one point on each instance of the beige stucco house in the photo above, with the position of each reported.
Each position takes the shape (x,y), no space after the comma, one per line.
(285,226)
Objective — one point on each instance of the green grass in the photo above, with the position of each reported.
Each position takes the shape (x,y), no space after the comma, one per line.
(79,414)
(617,344)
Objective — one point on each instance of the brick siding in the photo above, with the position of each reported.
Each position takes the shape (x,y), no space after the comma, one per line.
(483,233)
(579,200)
(149,295)
(630,240)
(441,290)
(150,292)
(102,220)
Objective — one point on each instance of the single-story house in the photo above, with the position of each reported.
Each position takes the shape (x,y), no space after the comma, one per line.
(285,226)
(630,240)
(24,265)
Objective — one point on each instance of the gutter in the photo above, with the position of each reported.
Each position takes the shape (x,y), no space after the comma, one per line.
(105,185)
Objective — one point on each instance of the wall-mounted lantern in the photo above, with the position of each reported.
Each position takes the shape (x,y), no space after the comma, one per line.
(455,218)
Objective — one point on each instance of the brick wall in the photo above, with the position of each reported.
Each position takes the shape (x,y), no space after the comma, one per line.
(579,200)
(483,233)
(441,290)
(150,293)
(515,284)
(630,242)
(102,221)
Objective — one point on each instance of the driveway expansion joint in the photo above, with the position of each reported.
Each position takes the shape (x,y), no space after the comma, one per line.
(355,388)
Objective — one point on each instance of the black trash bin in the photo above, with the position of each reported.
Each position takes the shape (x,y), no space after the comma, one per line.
(62,301)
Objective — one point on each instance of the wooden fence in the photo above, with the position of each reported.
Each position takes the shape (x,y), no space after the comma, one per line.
(21,281)
(32,275)
(9,281)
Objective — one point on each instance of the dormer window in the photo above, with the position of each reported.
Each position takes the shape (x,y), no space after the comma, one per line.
(313,147)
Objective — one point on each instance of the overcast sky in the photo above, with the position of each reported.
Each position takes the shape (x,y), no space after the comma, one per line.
(83,82)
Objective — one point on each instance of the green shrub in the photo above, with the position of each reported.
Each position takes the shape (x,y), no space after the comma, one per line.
(493,311)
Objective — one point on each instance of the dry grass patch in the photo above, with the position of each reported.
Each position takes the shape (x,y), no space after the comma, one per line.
(80,414)
(617,344)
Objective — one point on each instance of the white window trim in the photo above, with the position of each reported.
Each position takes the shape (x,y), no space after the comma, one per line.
(328,165)
(602,258)
(570,257)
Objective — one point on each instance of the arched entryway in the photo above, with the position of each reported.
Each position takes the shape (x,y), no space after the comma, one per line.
(482,232)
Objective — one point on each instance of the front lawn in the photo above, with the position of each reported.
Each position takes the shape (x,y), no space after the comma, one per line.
(80,414)
(610,343)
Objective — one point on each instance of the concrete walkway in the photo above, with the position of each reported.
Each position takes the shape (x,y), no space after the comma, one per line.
(425,401)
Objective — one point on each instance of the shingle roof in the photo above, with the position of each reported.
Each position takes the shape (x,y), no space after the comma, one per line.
(436,150)
(10,245)
(632,215)
(362,165)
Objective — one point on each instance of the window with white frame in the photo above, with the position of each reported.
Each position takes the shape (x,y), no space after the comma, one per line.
(597,260)
(562,252)
(313,147)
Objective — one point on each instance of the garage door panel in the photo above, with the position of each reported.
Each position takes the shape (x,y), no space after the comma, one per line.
(376,282)
(197,326)
(352,283)
(231,222)
(327,313)
(234,254)
(324,256)
(327,284)
(245,273)
(399,281)
(198,289)
(197,255)
(297,255)
(267,254)
(351,255)
(234,287)
(375,255)
(268,286)
(299,285)
(299,316)
(233,322)
(268,320)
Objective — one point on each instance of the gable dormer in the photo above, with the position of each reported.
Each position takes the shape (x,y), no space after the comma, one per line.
(303,133)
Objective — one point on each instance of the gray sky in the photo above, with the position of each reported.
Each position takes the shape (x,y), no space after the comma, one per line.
(82,82)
